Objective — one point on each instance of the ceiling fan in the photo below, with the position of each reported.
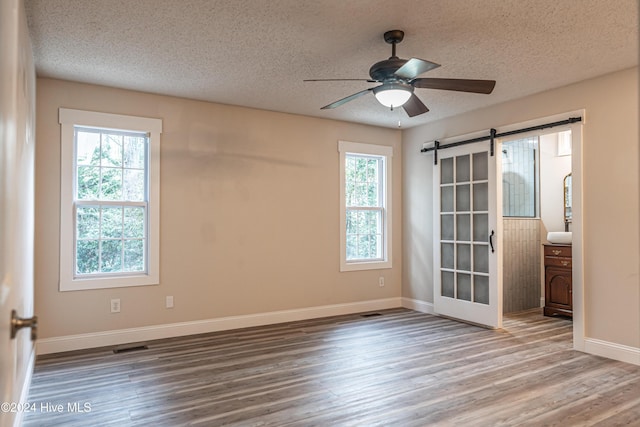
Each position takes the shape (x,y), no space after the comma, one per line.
(399,77)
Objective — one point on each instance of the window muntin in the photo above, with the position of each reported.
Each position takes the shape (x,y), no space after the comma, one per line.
(110,178)
(365,198)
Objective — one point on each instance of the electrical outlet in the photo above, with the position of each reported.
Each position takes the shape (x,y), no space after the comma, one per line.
(381,281)
(169,302)
(115,305)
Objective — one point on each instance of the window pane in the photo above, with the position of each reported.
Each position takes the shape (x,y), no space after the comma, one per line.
(364,234)
(480,227)
(88,183)
(446,227)
(133,255)
(362,187)
(111,188)
(463,227)
(372,170)
(111,256)
(361,225)
(350,193)
(481,197)
(481,289)
(373,222)
(352,246)
(134,222)
(446,171)
(135,148)
(463,259)
(87,148)
(87,256)
(480,166)
(520,177)
(133,185)
(462,168)
(352,222)
(88,222)
(111,222)
(376,242)
(448,284)
(463,286)
(463,198)
(363,247)
(361,194)
(111,150)
(361,169)
(481,258)
(447,255)
(350,168)
(372,194)
(446,199)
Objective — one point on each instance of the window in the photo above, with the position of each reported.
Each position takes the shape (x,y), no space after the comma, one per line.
(365,201)
(520,178)
(109,231)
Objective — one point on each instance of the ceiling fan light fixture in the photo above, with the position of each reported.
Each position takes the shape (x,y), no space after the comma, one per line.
(393,94)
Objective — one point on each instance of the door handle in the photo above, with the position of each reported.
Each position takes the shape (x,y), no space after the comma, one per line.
(491,241)
(18,323)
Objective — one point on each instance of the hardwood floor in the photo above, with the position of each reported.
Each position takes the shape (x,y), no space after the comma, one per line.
(399,368)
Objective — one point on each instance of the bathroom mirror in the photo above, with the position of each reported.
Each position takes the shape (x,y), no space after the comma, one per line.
(567,202)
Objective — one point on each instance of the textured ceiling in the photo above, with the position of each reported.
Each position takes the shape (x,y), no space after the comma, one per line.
(256,53)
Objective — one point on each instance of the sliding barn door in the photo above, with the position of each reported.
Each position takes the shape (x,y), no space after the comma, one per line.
(466,253)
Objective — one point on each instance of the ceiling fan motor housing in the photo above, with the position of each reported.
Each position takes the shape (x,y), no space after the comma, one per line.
(384,70)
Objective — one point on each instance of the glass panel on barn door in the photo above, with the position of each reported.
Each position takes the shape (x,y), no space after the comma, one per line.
(464,227)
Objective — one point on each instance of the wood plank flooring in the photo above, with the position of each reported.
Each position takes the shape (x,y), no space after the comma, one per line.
(399,368)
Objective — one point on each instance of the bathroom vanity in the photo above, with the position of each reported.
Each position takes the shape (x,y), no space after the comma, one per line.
(557,282)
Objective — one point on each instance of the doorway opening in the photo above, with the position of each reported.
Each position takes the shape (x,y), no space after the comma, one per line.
(571,121)
(536,200)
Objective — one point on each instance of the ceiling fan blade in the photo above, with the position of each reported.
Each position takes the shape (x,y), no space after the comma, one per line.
(341,80)
(414,67)
(461,85)
(347,99)
(414,106)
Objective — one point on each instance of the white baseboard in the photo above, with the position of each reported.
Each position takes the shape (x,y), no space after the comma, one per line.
(611,350)
(417,305)
(147,333)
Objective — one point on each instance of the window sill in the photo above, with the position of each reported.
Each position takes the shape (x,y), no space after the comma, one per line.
(364,265)
(107,282)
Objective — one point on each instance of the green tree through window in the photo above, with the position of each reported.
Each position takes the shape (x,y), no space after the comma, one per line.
(364,207)
(110,201)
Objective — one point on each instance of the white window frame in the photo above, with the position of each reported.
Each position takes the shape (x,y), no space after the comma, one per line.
(386,152)
(69,119)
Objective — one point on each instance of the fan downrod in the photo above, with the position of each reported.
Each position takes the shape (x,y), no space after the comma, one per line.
(393,37)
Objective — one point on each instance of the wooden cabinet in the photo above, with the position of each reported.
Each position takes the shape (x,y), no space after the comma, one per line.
(557,280)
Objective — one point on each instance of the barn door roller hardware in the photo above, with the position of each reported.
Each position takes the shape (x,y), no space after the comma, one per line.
(493,135)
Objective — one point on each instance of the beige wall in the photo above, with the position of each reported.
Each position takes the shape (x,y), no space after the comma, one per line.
(249,214)
(610,206)
(249,208)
